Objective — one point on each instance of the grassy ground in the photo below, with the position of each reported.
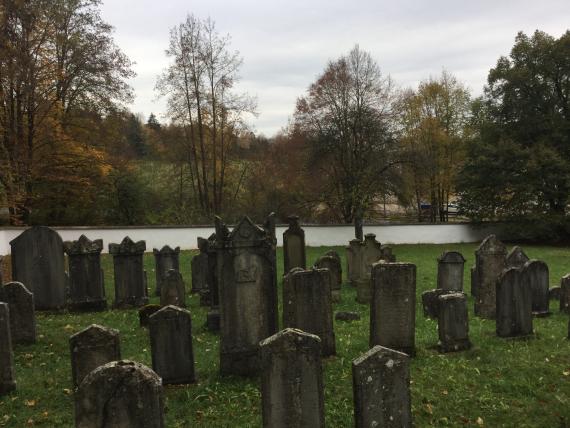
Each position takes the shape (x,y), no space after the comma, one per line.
(499,382)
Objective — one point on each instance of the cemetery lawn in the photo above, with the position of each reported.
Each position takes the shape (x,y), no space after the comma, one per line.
(513,383)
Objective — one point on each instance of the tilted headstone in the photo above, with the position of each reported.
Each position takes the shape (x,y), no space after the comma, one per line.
(354,258)
(333,266)
(92,347)
(173,290)
(247,281)
(450,271)
(430,302)
(87,288)
(535,272)
(7,375)
(130,281)
(120,394)
(38,262)
(171,345)
(490,260)
(307,305)
(381,387)
(393,306)
(565,293)
(292,381)
(294,246)
(22,314)
(165,259)
(514,304)
(200,267)
(453,323)
(516,257)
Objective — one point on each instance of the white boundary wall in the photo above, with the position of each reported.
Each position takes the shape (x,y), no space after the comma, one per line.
(315,235)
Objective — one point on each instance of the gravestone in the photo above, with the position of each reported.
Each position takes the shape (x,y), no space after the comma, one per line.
(393,306)
(293,246)
(92,347)
(565,294)
(173,290)
(130,281)
(307,305)
(171,345)
(7,375)
(381,388)
(453,323)
(354,257)
(292,381)
(200,267)
(22,315)
(145,312)
(450,271)
(387,254)
(165,259)
(535,272)
(213,317)
(516,257)
(430,302)
(38,263)
(333,266)
(120,394)
(514,304)
(347,316)
(87,288)
(490,260)
(247,280)
(554,293)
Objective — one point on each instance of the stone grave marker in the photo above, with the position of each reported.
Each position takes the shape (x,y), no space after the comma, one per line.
(354,258)
(145,312)
(514,304)
(173,290)
(22,314)
(165,259)
(333,266)
(453,323)
(516,257)
(450,271)
(200,267)
(565,294)
(490,260)
(7,375)
(535,272)
(294,246)
(430,301)
(130,280)
(213,317)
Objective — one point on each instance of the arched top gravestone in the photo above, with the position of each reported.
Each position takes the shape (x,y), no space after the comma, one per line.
(294,245)
(22,316)
(450,271)
(536,275)
(165,259)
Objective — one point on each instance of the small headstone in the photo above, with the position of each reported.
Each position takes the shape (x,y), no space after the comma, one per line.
(165,259)
(91,348)
(565,293)
(430,301)
(490,260)
(453,323)
(333,265)
(387,254)
(381,387)
(173,291)
(347,316)
(450,271)
(535,272)
(514,304)
(120,394)
(516,257)
(7,376)
(200,267)
(171,345)
(293,246)
(145,312)
(292,381)
(130,278)
(554,293)
(22,315)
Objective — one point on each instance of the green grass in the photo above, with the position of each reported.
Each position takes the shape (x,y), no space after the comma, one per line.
(513,383)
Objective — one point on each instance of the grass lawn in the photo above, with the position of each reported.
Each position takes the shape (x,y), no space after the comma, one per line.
(513,383)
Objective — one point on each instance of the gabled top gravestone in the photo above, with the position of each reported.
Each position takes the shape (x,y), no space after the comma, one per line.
(294,245)
(165,259)
(490,260)
(130,280)
(37,262)
(516,257)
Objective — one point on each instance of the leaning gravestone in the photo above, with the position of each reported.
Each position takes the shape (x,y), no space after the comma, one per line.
(120,394)
(87,289)
(171,345)
(7,377)
(173,290)
(38,262)
(333,266)
(565,294)
(91,348)
(535,273)
(165,259)
(516,257)
(430,302)
(247,280)
(453,323)
(200,267)
(393,306)
(307,305)
(294,246)
(490,260)
(292,381)
(381,387)
(514,304)
(22,315)
(130,281)
(450,271)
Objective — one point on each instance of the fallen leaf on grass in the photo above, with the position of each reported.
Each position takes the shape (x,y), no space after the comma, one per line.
(479,421)
(30,403)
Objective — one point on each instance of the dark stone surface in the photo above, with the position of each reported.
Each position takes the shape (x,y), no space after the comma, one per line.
(490,260)
(292,381)
(473,278)
(294,246)
(38,263)
(165,259)
(333,265)
(307,305)
(516,257)
(7,374)
(200,267)
(554,293)
(535,272)
(213,318)
(514,304)
(354,259)
(565,294)
(450,271)
(430,302)
(173,290)
(363,290)
(145,312)
(171,345)
(130,281)
(347,316)
(22,314)
(393,306)
(120,394)
(381,387)
(453,323)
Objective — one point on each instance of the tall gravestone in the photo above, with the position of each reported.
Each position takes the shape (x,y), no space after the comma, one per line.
(294,246)
(92,347)
(171,345)
(453,323)
(371,253)
(381,387)
(7,376)
(292,381)
(307,305)
(354,257)
(213,318)
(514,304)
(199,267)
(333,265)
(130,280)
(120,394)
(565,294)
(393,306)
(516,257)
(535,273)
(450,271)
(173,290)
(490,260)
(87,288)
(247,280)
(22,315)
(38,263)
(165,259)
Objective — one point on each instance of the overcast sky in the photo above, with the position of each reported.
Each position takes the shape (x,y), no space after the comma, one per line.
(285,45)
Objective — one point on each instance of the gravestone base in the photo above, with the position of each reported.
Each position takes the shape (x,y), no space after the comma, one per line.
(88,306)
(541,314)
(245,363)
(213,320)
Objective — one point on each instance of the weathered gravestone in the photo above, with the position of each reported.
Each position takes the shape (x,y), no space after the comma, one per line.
(145,312)
(130,277)
(336,256)
(247,281)
(292,381)
(7,376)
(381,387)
(173,290)
(165,260)
(430,301)
(91,348)
(294,246)
(38,262)
(213,317)
(453,323)
(535,273)
(554,293)
(87,289)
(371,253)
(516,257)
(333,266)
(514,304)
(450,271)
(565,293)
(121,394)
(199,266)
(307,305)
(490,260)
(393,306)
(171,345)
(354,258)
(22,315)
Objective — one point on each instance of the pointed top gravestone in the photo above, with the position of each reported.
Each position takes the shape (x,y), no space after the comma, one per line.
(165,259)
(294,245)
(516,257)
